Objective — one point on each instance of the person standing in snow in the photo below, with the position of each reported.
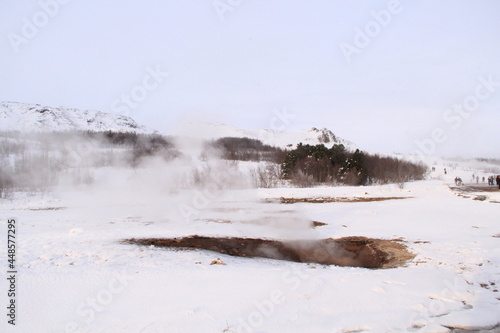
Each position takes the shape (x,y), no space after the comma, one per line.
(498,181)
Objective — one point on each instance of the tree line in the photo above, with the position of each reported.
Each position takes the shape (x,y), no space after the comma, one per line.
(307,165)
(36,162)
(246,149)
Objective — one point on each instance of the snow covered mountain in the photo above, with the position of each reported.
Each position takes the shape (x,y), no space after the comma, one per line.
(35,117)
(275,138)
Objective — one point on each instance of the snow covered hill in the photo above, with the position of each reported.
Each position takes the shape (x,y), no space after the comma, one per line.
(35,117)
(276,138)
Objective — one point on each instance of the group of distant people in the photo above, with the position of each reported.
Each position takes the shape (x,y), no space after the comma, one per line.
(491,180)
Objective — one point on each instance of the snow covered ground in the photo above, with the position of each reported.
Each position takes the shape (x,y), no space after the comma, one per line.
(76,276)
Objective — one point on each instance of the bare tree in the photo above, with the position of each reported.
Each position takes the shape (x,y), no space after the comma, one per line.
(267,176)
(300,179)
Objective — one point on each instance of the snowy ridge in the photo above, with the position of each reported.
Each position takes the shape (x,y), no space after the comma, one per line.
(35,117)
(270,137)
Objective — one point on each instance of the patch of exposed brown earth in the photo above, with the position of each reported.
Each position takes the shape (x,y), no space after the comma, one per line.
(284,200)
(316,224)
(468,191)
(347,251)
(47,208)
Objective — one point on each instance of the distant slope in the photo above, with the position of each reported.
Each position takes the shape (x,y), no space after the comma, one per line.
(34,117)
(275,138)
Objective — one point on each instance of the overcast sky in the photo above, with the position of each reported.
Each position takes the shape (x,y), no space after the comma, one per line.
(390,76)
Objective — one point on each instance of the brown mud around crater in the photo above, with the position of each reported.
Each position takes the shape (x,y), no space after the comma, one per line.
(347,251)
(476,188)
(284,200)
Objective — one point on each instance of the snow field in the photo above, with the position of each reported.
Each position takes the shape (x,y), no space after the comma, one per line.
(76,276)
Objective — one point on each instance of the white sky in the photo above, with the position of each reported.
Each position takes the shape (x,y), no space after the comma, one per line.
(267,55)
